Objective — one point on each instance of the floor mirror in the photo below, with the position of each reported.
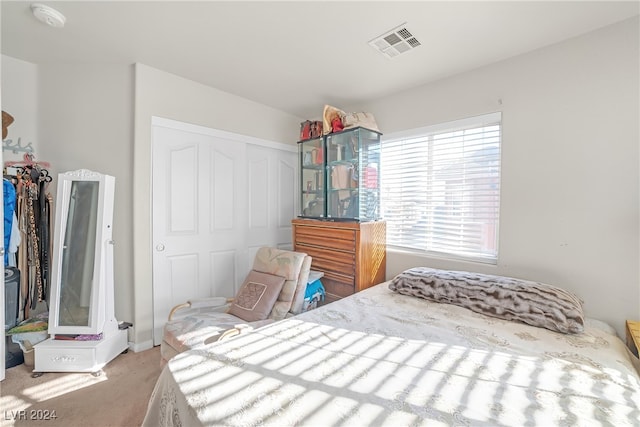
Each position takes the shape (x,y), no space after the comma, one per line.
(84,334)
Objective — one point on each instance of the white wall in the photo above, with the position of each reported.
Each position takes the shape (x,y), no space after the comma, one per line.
(86,122)
(162,94)
(20,99)
(80,117)
(570,163)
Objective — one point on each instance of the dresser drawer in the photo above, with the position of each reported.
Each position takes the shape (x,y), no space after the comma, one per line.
(338,239)
(64,359)
(348,281)
(338,288)
(329,260)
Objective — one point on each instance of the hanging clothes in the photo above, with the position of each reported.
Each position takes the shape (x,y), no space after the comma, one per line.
(34,225)
(35,261)
(10,199)
(14,242)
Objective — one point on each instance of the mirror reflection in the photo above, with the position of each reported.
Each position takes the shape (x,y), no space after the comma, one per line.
(78,255)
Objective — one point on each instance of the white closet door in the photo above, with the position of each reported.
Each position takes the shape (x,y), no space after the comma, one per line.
(199,218)
(217,197)
(272,190)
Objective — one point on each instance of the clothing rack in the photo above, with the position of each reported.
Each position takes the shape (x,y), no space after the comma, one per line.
(33,209)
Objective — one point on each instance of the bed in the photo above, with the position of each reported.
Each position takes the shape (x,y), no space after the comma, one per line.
(381,357)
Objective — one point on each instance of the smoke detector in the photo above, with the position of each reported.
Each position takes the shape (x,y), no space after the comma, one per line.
(395,42)
(48,15)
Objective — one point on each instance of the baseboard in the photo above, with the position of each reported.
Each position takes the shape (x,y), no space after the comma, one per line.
(137,347)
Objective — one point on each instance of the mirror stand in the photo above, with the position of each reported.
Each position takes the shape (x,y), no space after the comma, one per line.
(83,332)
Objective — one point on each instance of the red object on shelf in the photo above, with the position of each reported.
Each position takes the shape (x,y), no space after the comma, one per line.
(316,129)
(336,125)
(305,130)
(370,177)
(310,129)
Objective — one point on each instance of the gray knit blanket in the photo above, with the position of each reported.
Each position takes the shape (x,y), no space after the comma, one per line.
(537,304)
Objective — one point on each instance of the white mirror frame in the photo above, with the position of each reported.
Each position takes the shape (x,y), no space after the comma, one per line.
(101,316)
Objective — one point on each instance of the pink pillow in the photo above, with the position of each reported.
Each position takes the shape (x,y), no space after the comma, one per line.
(256,296)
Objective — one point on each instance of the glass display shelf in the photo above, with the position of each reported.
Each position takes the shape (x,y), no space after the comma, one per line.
(312,178)
(339,176)
(353,164)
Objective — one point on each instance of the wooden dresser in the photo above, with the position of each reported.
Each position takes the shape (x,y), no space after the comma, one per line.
(352,255)
(633,336)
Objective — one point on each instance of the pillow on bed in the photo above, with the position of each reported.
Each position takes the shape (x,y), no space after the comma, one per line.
(256,296)
(536,304)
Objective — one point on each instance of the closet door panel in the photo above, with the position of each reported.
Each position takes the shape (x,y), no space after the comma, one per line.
(223,185)
(286,208)
(260,192)
(272,196)
(184,206)
(222,271)
(185,269)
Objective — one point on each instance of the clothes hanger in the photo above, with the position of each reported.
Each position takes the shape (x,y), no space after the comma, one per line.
(31,170)
(27,162)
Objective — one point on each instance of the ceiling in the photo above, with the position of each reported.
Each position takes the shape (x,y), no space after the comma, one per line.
(296,56)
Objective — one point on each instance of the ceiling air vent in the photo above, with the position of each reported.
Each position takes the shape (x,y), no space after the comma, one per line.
(394,42)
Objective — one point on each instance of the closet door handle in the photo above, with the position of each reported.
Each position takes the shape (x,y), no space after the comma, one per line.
(159,247)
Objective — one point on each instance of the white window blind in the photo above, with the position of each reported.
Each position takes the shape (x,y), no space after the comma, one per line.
(440,188)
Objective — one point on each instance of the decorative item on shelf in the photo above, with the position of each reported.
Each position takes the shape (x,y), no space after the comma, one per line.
(336,120)
(16,147)
(362,119)
(7,119)
(305,130)
(316,129)
(332,119)
(306,161)
(370,178)
(336,124)
(9,144)
(310,129)
(314,208)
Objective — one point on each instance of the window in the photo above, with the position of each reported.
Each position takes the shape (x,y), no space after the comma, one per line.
(440,188)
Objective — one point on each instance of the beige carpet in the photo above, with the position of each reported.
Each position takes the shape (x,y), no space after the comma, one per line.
(116,398)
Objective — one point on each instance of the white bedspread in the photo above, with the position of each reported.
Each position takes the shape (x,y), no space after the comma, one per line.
(380,358)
